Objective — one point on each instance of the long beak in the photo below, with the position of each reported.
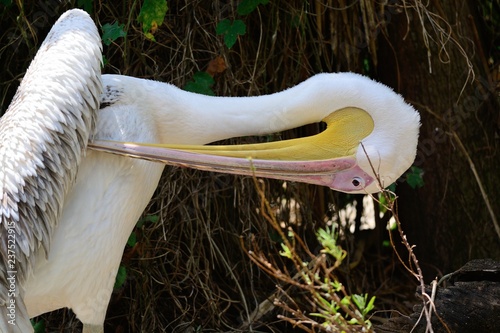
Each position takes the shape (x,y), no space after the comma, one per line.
(316,159)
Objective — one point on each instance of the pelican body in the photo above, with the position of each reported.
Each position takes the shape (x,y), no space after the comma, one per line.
(142,122)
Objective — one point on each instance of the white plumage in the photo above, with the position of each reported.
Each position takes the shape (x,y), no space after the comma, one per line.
(43,135)
(100,209)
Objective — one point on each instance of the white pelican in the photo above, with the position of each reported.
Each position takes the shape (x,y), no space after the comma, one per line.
(110,192)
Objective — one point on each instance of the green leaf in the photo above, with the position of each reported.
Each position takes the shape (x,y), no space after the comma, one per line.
(121,276)
(328,239)
(223,27)
(363,304)
(201,84)
(151,16)
(230,30)
(247,6)
(346,301)
(147,219)
(414,177)
(38,326)
(360,301)
(6,3)
(353,321)
(132,239)
(111,32)
(86,5)
(152,218)
(336,285)
(286,251)
(371,305)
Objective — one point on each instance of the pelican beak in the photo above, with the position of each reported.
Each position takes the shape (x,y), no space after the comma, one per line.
(328,158)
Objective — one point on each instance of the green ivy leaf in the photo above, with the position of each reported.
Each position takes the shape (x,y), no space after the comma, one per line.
(151,16)
(247,6)
(414,177)
(121,276)
(111,32)
(202,84)
(231,30)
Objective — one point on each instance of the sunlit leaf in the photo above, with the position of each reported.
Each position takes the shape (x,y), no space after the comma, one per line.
(328,239)
(151,16)
(286,251)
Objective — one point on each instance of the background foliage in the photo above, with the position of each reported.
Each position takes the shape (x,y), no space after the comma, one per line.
(186,268)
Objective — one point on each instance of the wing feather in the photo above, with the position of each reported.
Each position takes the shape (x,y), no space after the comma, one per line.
(43,136)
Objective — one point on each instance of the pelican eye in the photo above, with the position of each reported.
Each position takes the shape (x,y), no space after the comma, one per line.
(357,182)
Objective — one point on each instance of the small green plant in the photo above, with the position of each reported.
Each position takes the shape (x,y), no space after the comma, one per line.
(332,308)
(335,309)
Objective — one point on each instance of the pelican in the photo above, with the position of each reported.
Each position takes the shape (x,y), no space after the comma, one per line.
(369,142)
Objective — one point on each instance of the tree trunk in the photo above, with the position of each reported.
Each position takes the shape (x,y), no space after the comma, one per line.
(468,304)
(448,219)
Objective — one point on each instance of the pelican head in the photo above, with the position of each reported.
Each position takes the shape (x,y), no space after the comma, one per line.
(370,138)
